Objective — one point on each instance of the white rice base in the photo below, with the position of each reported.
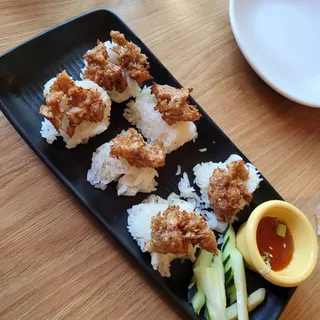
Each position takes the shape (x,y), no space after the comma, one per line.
(83,131)
(178,172)
(131,180)
(133,88)
(139,223)
(149,122)
(188,192)
(112,55)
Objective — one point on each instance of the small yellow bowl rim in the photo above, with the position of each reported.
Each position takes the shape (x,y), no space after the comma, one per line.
(252,224)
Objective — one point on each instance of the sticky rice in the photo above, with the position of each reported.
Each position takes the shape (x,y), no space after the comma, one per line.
(188,193)
(149,122)
(131,180)
(139,222)
(86,129)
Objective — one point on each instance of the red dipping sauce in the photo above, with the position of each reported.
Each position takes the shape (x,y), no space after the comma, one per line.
(274,249)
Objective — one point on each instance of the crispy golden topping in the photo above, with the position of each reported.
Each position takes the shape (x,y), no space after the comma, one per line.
(63,83)
(51,110)
(103,72)
(131,146)
(227,190)
(80,104)
(84,105)
(174,230)
(173,104)
(131,58)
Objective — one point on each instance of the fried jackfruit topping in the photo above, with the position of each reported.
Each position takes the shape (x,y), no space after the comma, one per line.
(174,230)
(173,104)
(76,103)
(103,72)
(131,146)
(227,190)
(130,57)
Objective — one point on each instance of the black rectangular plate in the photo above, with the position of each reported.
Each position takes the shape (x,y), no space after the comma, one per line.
(23,72)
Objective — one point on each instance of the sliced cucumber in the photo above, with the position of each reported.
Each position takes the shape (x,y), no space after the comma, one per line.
(192,281)
(232,312)
(229,232)
(206,313)
(229,243)
(209,281)
(240,284)
(232,295)
(205,259)
(217,265)
(254,300)
(198,300)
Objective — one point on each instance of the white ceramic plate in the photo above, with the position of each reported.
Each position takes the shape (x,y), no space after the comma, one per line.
(281,41)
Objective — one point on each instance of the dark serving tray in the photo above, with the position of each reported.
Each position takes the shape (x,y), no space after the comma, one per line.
(23,72)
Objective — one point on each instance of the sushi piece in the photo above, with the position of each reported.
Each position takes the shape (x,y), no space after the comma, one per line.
(169,229)
(226,187)
(129,160)
(164,113)
(74,110)
(117,66)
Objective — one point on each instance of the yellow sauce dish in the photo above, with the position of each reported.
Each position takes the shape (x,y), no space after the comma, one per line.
(305,244)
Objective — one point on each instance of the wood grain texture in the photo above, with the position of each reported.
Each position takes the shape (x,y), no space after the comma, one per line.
(55,261)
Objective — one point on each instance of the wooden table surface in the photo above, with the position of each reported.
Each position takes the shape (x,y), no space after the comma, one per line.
(55,261)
